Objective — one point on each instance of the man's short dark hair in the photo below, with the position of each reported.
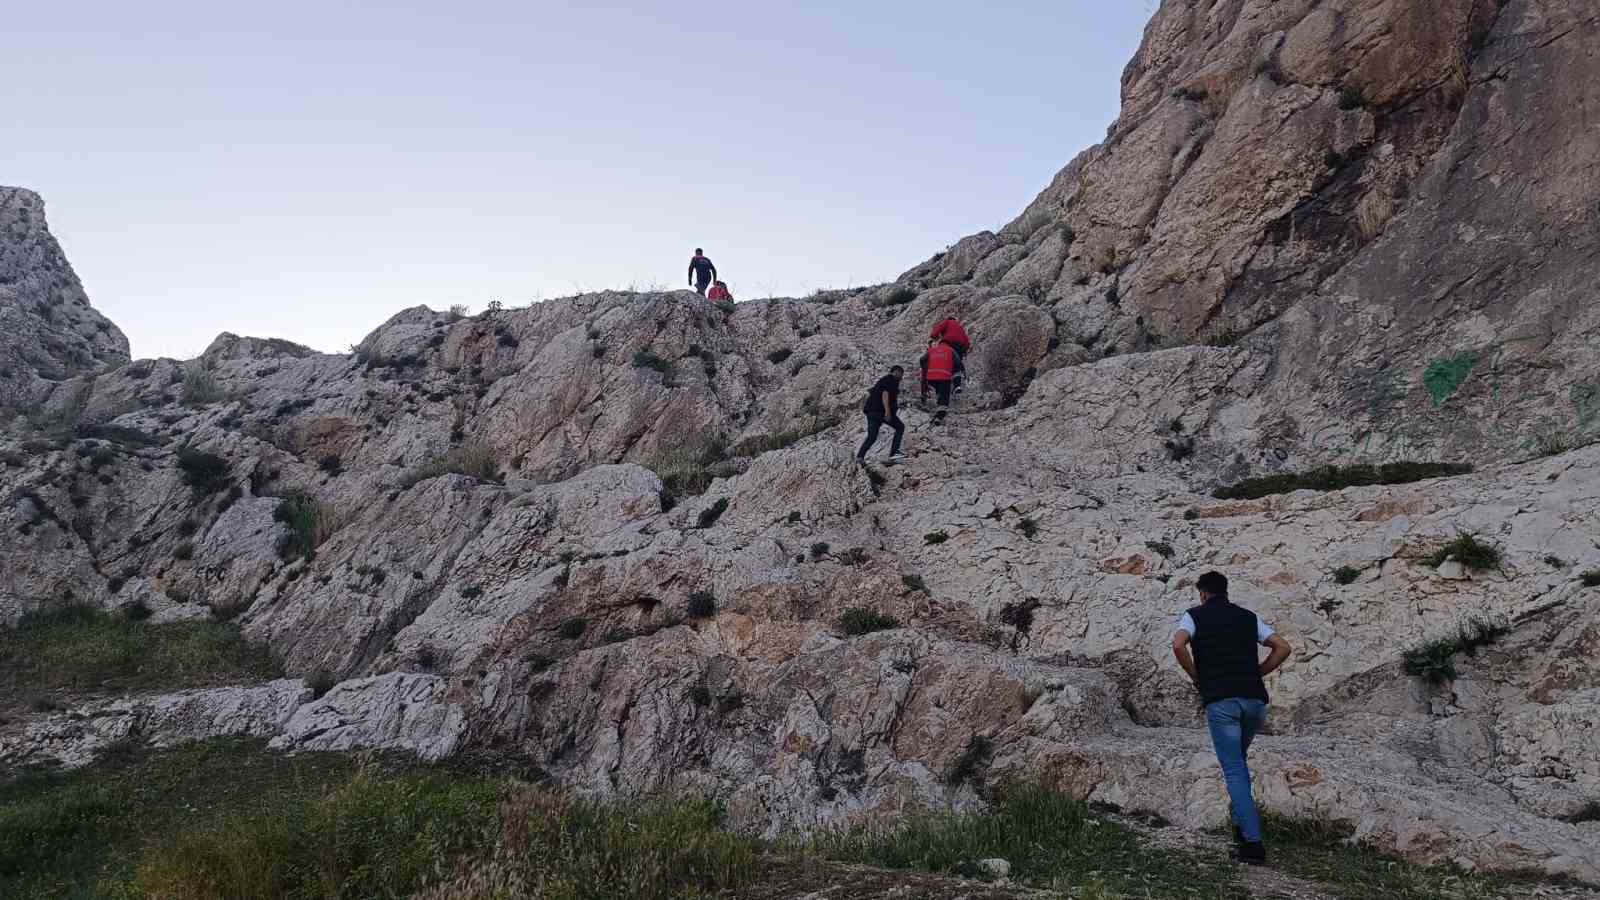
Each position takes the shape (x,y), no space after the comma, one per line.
(698,251)
(1213,583)
(899,370)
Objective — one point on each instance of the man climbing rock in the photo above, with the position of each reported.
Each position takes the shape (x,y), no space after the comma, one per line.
(701,271)
(950,331)
(1216,644)
(883,405)
(938,369)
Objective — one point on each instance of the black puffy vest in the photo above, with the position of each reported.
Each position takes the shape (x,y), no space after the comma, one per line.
(1225,655)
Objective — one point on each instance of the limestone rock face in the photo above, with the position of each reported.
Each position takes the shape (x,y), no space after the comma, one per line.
(1353,231)
(48,330)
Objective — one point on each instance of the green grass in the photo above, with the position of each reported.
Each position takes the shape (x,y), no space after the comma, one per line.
(1444,375)
(471,460)
(1050,839)
(935,537)
(310,522)
(1434,660)
(205,473)
(1319,851)
(766,443)
(1469,551)
(858,621)
(225,818)
(86,648)
(1346,575)
(685,471)
(1333,478)
(644,359)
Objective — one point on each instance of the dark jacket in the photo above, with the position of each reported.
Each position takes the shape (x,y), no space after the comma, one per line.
(874,405)
(1225,656)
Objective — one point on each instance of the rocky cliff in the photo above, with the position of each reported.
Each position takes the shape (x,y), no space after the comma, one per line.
(619,533)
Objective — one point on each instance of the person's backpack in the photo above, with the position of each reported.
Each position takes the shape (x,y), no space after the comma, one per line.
(941,362)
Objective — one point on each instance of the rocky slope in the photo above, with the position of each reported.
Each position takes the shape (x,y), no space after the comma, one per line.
(1035,553)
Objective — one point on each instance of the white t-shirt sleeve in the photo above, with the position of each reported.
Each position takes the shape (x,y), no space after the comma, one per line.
(1187,624)
(1263,630)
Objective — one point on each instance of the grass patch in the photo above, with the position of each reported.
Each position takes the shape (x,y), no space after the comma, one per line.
(859,621)
(935,537)
(310,523)
(573,628)
(900,296)
(914,584)
(205,473)
(1434,661)
(85,647)
(1469,551)
(767,443)
(1333,478)
(1321,852)
(471,460)
(685,471)
(1346,575)
(1029,528)
(1050,839)
(644,359)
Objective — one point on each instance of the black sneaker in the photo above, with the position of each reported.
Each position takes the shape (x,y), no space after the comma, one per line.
(1252,853)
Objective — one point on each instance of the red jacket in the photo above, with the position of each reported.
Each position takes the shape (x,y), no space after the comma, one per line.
(950,330)
(718,292)
(939,364)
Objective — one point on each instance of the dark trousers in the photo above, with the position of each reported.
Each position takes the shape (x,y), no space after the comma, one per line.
(941,390)
(701,283)
(874,423)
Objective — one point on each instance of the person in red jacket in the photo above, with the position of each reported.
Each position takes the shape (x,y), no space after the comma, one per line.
(939,370)
(950,331)
(719,293)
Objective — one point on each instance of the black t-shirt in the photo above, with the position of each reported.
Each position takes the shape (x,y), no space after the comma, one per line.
(874,405)
(702,266)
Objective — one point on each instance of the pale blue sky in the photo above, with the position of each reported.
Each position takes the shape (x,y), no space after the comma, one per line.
(304,170)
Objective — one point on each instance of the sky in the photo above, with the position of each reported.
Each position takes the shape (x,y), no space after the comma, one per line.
(306,169)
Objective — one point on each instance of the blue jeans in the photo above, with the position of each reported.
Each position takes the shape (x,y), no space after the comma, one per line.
(1234,723)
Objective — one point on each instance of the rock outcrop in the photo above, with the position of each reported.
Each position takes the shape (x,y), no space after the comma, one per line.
(490,531)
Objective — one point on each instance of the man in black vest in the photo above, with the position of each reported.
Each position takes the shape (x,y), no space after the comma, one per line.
(1226,667)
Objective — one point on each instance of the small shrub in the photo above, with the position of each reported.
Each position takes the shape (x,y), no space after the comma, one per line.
(471,592)
(199,388)
(685,471)
(1162,548)
(776,357)
(1433,661)
(188,527)
(935,537)
(310,523)
(1481,631)
(970,763)
(900,296)
(1191,515)
(1029,528)
(471,460)
(1346,574)
(184,551)
(914,584)
(755,446)
(331,464)
(505,339)
(1333,159)
(1552,444)
(1589,812)
(708,517)
(1333,478)
(819,550)
(702,605)
(1469,551)
(1350,97)
(858,621)
(205,473)
(320,682)
(700,695)
(573,628)
(1590,578)
(136,611)
(644,359)
(855,556)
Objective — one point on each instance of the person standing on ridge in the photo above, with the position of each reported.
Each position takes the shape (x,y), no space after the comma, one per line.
(701,271)
(950,331)
(1216,644)
(883,405)
(938,369)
